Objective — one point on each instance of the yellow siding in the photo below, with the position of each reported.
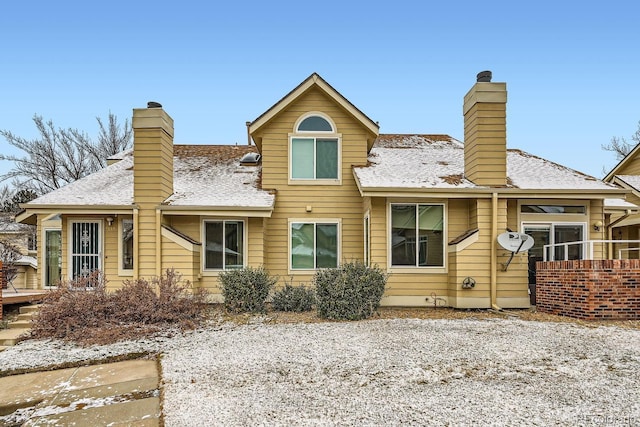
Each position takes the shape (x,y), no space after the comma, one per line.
(327,201)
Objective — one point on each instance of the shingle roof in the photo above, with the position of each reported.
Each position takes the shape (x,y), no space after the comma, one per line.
(204,175)
(437,161)
(631,180)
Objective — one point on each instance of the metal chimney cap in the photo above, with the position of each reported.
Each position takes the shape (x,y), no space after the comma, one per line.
(484,76)
(153,104)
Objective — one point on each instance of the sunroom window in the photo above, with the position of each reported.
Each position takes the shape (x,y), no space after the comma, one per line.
(224,245)
(314,245)
(417,235)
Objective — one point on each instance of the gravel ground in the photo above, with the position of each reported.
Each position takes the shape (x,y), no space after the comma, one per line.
(469,371)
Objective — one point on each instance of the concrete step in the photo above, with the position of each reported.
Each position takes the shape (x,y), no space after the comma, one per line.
(10,336)
(26,316)
(29,309)
(20,324)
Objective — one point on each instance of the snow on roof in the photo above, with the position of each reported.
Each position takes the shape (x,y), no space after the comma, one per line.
(211,175)
(619,203)
(204,175)
(437,161)
(631,180)
(111,186)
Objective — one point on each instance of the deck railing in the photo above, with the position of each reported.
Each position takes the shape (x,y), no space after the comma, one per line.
(561,251)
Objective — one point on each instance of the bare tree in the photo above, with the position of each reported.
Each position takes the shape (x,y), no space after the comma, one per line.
(60,156)
(9,254)
(620,146)
(12,203)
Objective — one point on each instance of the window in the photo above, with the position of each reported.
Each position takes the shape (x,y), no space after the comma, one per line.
(126,244)
(553,209)
(314,157)
(314,245)
(224,245)
(417,235)
(52,257)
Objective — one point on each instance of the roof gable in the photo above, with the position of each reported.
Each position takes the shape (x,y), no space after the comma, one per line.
(313,81)
(623,164)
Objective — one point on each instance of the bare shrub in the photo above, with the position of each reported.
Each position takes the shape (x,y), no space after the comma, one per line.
(83,311)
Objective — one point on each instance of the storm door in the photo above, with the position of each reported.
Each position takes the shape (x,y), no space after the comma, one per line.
(85,248)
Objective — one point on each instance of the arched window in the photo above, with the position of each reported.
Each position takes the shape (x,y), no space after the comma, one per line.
(315,124)
(314,149)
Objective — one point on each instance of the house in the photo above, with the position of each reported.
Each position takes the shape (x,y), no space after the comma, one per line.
(18,245)
(626,223)
(322,185)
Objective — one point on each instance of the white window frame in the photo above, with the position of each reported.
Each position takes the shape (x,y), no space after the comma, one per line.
(411,268)
(100,254)
(314,221)
(45,230)
(315,135)
(121,270)
(553,224)
(245,244)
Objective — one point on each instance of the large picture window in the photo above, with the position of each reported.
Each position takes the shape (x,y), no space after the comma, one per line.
(417,235)
(314,245)
(224,245)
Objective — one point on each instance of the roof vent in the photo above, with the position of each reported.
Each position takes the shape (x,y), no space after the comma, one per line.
(250,159)
(153,104)
(484,76)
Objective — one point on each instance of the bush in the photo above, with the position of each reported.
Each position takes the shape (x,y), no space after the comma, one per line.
(83,311)
(293,298)
(246,289)
(350,292)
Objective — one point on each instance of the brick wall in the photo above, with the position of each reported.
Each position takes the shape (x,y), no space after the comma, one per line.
(1,286)
(589,289)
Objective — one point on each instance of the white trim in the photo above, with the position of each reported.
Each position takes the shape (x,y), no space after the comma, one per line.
(203,232)
(312,114)
(43,275)
(100,253)
(179,240)
(470,240)
(366,224)
(417,269)
(121,270)
(314,221)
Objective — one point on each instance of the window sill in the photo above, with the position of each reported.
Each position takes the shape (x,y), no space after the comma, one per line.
(315,181)
(416,270)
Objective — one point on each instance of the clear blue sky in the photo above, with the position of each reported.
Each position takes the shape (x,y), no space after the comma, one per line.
(572,71)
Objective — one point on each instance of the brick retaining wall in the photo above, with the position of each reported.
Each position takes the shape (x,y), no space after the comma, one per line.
(589,289)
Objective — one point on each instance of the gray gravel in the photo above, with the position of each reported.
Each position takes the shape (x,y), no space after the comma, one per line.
(386,372)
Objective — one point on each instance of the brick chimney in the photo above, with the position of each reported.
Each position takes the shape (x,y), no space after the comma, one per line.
(152,154)
(485,132)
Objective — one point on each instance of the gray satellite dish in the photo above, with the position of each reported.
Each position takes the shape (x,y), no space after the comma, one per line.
(515,242)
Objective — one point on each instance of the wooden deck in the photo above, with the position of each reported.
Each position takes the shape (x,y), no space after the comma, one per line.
(10,296)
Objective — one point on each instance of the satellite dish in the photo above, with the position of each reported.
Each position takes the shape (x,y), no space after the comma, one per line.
(515,242)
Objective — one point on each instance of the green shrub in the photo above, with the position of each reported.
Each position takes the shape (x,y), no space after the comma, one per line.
(350,292)
(293,298)
(246,289)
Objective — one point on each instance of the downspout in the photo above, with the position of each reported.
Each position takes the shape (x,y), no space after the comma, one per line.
(158,243)
(494,252)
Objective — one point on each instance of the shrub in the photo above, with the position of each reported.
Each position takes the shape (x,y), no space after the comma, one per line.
(294,298)
(350,292)
(246,289)
(83,311)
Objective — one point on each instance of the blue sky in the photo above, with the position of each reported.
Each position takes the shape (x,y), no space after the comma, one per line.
(572,71)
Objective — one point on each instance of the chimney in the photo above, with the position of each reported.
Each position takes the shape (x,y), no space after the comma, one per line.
(152,154)
(485,132)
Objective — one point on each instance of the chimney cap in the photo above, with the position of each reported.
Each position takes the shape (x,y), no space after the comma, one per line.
(153,104)
(484,76)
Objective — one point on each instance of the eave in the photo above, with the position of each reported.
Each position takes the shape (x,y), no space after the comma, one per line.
(246,211)
(30,211)
(317,81)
